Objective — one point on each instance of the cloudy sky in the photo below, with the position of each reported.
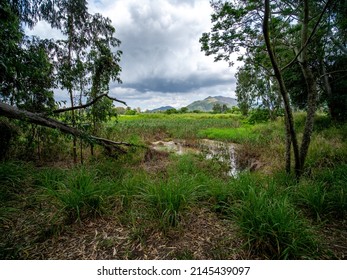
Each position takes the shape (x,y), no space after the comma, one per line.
(162,63)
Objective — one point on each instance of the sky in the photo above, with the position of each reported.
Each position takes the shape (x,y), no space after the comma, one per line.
(162,64)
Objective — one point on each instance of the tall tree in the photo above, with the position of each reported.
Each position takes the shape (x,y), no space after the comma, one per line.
(253,26)
(26,78)
(86,62)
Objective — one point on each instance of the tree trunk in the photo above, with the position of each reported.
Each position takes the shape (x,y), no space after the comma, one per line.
(15,113)
(328,89)
(290,130)
(73,119)
(311,89)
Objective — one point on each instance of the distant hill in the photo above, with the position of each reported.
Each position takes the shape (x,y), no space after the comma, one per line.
(161,109)
(206,105)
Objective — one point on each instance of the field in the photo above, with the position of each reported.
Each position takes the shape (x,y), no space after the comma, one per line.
(150,204)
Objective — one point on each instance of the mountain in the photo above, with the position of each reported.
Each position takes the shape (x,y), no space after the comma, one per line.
(206,105)
(161,109)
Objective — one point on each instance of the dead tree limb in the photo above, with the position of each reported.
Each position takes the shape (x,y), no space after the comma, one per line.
(58,111)
(15,113)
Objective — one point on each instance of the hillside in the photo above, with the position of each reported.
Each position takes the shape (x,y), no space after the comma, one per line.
(206,105)
(161,109)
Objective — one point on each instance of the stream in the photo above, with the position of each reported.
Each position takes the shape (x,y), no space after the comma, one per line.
(211,149)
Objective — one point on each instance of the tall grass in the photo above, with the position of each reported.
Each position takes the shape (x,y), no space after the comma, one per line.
(80,194)
(271,223)
(185,126)
(168,200)
(15,178)
(325,195)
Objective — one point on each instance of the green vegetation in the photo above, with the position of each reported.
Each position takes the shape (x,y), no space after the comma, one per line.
(102,190)
(152,198)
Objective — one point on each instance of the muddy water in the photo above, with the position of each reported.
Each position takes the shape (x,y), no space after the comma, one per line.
(224,152)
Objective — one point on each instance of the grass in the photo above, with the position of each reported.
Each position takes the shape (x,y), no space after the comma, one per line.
(236,135)
(78,196)
(325,194)
(167,200)
(184,126)
(274,228)
(141,200)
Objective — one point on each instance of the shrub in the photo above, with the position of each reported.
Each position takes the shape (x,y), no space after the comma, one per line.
(258,116)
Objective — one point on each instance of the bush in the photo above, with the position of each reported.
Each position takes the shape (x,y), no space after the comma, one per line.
(258,116)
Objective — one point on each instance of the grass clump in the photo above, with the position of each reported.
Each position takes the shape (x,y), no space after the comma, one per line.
(78,196)
(325,195)
(167,200)
(169,196)
(270,222)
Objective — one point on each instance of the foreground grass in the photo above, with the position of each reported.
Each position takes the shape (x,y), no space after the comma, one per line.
(154,205)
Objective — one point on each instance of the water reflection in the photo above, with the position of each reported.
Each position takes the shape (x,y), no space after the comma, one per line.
(224,152)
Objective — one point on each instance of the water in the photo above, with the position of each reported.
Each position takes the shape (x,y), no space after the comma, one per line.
(211,149)
(224,152)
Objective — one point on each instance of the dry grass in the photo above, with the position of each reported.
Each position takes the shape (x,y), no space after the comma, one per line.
(202,235)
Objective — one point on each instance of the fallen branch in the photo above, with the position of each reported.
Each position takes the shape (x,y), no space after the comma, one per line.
(15,113)
(58,111)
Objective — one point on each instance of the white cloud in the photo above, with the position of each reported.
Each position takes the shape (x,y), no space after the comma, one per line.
(162,62)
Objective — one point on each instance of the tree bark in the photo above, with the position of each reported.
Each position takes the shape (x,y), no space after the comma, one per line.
(15,113)
(290,130)
(327,87)
(311,89)
(73,118)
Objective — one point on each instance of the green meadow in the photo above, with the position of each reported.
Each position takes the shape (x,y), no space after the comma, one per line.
(149,204)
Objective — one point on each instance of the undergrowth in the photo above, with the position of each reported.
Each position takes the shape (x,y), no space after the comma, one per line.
(276,216)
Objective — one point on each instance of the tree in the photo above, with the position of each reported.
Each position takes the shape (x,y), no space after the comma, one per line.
(333,60)
(83,63)
(103,66)
(245,90)
(26,74)
(246,25)
(184,110)
(217,108)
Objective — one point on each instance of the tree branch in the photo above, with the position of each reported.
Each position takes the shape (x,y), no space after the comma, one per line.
(309,38)
(332,72)
(15,113)
(58,111)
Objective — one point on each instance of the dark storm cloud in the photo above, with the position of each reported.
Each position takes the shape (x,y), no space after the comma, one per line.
(192,83)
